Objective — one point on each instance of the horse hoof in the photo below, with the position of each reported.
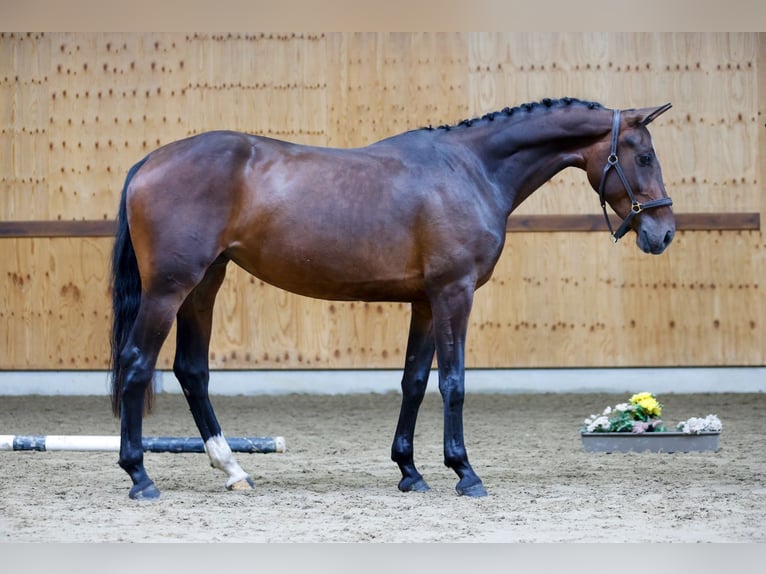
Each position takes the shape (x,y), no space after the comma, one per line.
(146,491)
(475,490)
(244,484)
(414,485)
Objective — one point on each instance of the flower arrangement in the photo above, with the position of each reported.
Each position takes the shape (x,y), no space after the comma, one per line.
(641,414)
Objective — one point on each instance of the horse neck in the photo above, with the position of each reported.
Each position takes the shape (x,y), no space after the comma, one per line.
(523,152)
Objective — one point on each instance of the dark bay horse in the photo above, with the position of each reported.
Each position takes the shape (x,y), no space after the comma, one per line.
(419,217)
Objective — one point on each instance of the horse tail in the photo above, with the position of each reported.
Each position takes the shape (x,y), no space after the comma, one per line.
(126,297)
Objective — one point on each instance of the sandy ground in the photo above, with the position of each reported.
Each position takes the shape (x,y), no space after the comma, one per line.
(337,484)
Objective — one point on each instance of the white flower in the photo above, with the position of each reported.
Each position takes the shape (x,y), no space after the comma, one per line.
(696,425)
(599,423)
(622,407)
(607,410)
(713,423)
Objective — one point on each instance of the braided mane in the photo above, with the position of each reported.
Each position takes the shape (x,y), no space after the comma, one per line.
(528,107)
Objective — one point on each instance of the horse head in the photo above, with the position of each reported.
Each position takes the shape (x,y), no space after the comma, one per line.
(624,169)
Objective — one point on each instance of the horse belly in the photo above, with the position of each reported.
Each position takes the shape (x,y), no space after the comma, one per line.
(325,267)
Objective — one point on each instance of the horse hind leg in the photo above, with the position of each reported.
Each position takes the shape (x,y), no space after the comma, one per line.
(420,354)
(195,318)
(138,359)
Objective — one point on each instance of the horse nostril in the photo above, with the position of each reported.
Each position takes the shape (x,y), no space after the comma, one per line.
(668,238)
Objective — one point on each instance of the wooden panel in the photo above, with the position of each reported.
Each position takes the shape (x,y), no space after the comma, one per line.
(387,83)
(707,143)
(565,299)
(53,303)
(85,107)
(586,301)
(24,172)
(762,124)
(77,110)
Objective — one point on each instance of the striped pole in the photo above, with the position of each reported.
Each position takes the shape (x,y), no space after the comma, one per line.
(172,444)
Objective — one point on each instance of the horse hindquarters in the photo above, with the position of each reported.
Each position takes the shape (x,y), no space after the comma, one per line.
(173,258)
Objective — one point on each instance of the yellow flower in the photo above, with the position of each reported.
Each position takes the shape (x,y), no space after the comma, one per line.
(647,402)
(640,396)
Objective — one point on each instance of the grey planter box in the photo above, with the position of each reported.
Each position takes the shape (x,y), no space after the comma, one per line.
(651,441)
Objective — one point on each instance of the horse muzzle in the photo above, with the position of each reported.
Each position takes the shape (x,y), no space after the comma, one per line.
(653,237)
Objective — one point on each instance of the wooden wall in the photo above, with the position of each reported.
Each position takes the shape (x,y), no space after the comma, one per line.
(79,109)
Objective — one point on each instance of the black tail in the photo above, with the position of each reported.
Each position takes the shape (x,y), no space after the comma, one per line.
(126,296)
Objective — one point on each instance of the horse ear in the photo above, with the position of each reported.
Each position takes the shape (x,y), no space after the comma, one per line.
(645,116)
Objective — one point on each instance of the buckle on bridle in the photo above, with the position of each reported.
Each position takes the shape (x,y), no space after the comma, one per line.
(636,207)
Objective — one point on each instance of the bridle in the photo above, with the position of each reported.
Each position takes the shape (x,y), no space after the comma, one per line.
(613,162)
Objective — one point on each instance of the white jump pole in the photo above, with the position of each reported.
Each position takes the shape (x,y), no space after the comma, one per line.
(150,444)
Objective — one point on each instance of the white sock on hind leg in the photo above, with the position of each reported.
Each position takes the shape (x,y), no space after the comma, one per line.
(221,457)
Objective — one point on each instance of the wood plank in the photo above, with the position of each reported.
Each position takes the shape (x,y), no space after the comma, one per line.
(516,223)
(87,228)
(595,222)
(761,159)
(560,222)
(718,221)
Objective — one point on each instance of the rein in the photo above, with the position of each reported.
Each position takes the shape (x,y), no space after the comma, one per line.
(636,207)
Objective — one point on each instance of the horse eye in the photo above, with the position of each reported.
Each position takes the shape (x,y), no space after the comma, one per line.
(645,159)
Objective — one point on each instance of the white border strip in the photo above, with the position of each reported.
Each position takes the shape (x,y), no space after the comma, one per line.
(335,382)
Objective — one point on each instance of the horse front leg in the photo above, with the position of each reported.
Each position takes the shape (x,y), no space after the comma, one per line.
(451,309)
(420,354)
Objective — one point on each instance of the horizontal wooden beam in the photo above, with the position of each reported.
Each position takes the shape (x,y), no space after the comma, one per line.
(89,228)
(718,221)
(516,223)
(595,222)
